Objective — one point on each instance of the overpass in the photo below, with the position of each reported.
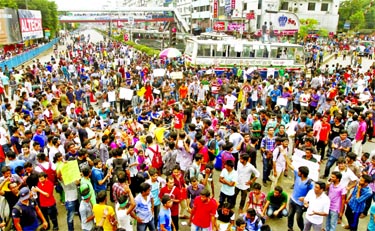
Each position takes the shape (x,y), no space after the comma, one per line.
(113,18)
(181,23)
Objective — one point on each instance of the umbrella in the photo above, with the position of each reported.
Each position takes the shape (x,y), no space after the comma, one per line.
(170,53)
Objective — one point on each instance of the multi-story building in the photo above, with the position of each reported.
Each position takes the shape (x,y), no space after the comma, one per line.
(205,13)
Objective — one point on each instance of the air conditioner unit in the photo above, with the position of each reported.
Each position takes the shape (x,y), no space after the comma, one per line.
(290,8)
(295,9)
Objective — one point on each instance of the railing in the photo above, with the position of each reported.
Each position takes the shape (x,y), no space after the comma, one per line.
(18,60)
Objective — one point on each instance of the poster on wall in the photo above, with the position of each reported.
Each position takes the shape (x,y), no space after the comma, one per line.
(9,27)
(31,24)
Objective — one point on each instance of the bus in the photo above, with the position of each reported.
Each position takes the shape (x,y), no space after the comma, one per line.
(222,51)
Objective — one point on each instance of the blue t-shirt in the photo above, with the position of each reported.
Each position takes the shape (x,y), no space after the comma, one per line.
(165,219)
(371,224)
(98,175)
(301,188)
(40,139)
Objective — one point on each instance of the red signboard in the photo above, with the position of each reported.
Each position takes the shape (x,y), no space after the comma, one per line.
(219,26)
(216,8)
(250,16)
(233,4)
(31,24)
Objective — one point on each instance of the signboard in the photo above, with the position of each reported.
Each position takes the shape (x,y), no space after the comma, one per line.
(347,25)
(219,26)
(227,7)
(236,27)
(233,4)
(281,23)
(250,15)
(9,27)
(31,24)
(216,9)
(176,75)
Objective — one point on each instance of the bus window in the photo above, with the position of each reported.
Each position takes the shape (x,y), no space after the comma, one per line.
(246,51)
(232,52)
(259,51)
(265,53)
(299,55)
(189,48)
(213,50)
(204,50)
(274,52)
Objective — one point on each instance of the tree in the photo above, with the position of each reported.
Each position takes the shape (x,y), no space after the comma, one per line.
(8,3)
(360,13)
(357,20)
(307,26)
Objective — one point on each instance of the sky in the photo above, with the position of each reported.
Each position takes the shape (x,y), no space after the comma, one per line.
(65,5)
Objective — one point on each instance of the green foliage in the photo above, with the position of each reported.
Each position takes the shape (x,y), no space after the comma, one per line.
(8,3)
(360,13)
(145,49)
(307,25)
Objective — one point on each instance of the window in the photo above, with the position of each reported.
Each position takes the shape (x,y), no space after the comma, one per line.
(324,7)
(204,50)
(311,6)
(284,6)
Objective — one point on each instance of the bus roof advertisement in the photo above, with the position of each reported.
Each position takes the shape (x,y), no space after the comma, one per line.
(31,24)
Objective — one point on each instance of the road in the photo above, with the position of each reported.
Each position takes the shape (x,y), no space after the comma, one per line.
(276,224)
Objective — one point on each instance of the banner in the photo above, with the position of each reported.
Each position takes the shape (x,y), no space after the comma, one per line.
(31,24)
(219,26)
(233,4)
(9,27)
(216,9)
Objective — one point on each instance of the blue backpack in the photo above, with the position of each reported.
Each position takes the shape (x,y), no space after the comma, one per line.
(218,162)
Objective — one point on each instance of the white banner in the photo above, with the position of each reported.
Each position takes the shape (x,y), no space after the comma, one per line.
(31,24)
(176,75)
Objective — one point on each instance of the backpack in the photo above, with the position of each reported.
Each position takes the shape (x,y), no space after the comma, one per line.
(225,155)
(170,162)
(118,165)
(157,161)
(187,175)
(219,162)
(51,174)
(212,155)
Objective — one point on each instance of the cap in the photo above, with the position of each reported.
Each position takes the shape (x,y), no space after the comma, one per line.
(24,193)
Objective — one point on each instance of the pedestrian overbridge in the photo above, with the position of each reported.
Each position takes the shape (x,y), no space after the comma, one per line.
(139,14)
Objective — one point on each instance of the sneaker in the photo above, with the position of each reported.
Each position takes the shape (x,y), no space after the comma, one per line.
(362,216)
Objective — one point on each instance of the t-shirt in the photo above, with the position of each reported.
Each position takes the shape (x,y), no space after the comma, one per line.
(165,219)
(174,193)
(203,212)
(371,224)
(98,211)
(27,214)
(326,127)
(277,201)
(230,177)
(178,120)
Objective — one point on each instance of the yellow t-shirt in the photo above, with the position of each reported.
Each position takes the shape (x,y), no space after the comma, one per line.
(98,211)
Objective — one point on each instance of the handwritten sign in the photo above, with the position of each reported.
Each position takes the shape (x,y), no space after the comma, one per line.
(128,94)
(159,72)
(282,101)
(176,75)
(313,167)
(70,172)
(122,93)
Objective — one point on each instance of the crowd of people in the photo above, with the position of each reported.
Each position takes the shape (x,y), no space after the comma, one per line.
(151,149)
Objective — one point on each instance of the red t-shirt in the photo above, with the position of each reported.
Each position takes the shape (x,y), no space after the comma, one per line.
(204,152)
(47,187)
(178,120)
(323,135)
(203,212)
(174,195)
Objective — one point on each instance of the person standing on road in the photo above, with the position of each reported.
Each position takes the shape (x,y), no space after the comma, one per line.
(337,196)
(26,212)
(356,202)
(317,203)
(203,212)
(267,146)
(228,179)
(360,135)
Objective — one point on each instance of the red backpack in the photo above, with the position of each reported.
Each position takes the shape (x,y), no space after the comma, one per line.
(157,161)
(51,174)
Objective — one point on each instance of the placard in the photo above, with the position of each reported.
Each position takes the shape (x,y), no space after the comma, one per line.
(70,172)
(282,101)
(122,93)
(177,75)
(313,167)
(300,153)
(111,96)
(128,94)
(156,91)
(159,72)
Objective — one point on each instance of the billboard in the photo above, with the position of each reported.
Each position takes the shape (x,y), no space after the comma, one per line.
(31,24)
(280,23)
(9,27)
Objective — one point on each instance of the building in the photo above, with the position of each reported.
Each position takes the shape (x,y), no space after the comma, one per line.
(250,15)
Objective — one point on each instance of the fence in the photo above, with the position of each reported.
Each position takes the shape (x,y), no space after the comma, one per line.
(27,56)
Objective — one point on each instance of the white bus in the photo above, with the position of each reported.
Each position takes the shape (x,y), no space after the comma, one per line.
(223,51)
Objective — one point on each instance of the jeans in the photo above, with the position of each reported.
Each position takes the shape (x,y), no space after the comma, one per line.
(243,196)
(331,221)
(266,169)
(50,213)
(197,228)
(70,208)
(331,161)
(156,214)
(295,208)
(321,148)
(272,208)
(353,218)
(143,226)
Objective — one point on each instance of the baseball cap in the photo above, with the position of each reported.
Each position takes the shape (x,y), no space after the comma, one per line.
(24,193)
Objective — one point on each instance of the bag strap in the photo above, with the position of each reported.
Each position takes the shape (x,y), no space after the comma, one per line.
(170,194)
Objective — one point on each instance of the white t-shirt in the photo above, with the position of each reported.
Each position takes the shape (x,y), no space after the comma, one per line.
(231,100)
(317,204)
